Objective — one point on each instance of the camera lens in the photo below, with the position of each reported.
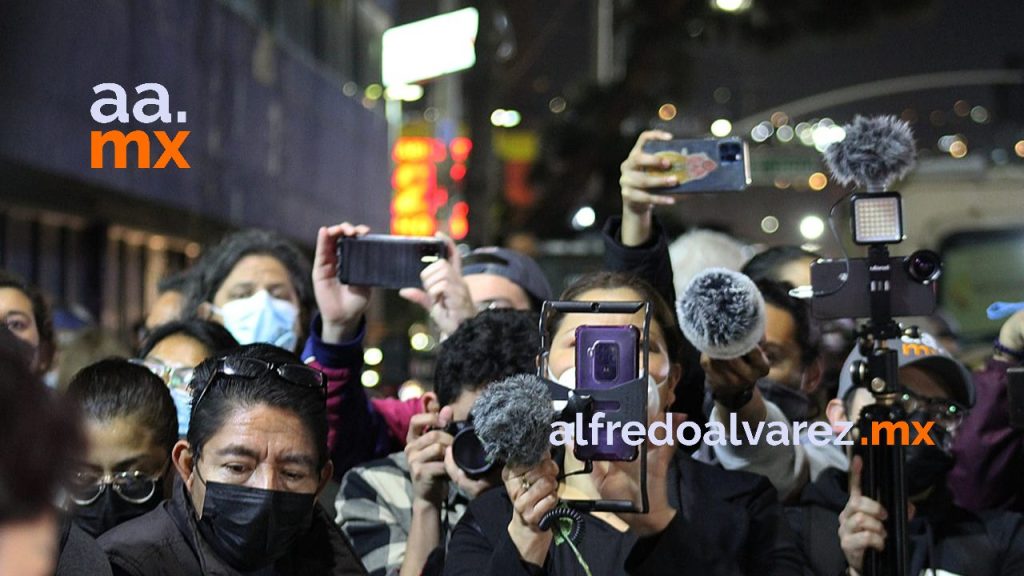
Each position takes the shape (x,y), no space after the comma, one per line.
(730,152)
(469,454)
(923,266)
(606,361)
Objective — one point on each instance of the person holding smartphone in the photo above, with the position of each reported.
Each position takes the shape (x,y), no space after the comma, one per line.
(702,517)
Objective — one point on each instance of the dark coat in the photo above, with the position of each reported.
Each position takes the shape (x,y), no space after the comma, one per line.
(942,536)
(166,542)
(729,523)
(79,553)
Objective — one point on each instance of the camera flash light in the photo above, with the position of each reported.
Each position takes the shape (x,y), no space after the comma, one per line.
(877,218)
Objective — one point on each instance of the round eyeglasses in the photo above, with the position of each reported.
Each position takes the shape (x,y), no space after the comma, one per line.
(132,486)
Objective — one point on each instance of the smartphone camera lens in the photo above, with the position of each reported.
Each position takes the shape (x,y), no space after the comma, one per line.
(923,266)
(730,152)
(606,361)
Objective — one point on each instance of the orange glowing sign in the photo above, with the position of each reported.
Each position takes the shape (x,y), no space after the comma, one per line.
(417,194)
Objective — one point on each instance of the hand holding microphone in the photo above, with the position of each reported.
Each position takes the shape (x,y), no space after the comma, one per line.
(722,313)
(513,422)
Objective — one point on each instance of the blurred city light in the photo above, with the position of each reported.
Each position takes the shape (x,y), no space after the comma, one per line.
(370,378)
(410,389)
(812,227)
(505,118)
(817,181)
(958,149)
(721,128)
(785,133)
(824,135)
(429,48)
(731,5)
(557,105)
(1018,148)
(404,92)
(770,224)
(419,341)
(979,114)
(373,356)
(667,112)
(584,218)
(762,131)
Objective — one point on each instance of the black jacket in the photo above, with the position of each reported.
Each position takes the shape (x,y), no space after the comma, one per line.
(942,536)
(79,553)
(651,262)
(729,523)
(166,542)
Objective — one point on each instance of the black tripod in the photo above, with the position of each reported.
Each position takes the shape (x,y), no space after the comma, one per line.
(883,473)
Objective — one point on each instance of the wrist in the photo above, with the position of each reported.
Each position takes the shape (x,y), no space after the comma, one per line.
(1007,353)
(532,545)
(332,332)
(425,505)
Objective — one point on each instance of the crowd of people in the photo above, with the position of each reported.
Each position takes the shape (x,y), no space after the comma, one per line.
(238,439)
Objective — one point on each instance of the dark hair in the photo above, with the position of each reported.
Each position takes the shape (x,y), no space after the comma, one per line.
(216,264)
(40,311)
(214,337)
(116,388)
(661,312)
(40,433)
(177,282)
(233,392)
(777,294)
(767,264)
(491,346)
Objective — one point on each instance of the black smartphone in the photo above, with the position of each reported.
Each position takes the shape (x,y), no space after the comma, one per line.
(387,261)
(606,357)
(1015,391)
(842,293)
(705,165)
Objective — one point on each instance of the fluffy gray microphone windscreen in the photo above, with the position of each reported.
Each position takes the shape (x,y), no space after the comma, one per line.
(875,152)
(513,419)
(721,313)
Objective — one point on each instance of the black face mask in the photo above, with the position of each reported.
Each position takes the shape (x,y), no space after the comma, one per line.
(110,510)
(927,466)
(795,405)
(250,528)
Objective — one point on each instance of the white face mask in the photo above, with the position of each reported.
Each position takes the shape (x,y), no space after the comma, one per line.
(568,380)
(261,318)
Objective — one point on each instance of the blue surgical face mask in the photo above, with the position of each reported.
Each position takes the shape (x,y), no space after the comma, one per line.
(261,318)
(183,406)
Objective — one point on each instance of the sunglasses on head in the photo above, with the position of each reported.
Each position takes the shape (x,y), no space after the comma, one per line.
(252,368)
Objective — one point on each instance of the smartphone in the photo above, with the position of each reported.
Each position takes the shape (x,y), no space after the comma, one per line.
(1015,392)
(706,165)
(834,298)
(606,357)
(387,261)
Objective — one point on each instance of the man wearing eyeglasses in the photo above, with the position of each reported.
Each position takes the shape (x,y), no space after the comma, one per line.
(838,524)
(251,469)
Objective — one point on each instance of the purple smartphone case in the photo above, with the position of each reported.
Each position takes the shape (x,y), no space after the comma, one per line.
(597,348)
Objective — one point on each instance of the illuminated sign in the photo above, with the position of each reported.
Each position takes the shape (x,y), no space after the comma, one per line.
(417,194)
(429,48)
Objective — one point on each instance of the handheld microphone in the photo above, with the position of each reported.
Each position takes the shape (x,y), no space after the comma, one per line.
(721,313)
(875,152)
(513,419)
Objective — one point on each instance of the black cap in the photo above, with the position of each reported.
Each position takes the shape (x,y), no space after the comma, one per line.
(519,268)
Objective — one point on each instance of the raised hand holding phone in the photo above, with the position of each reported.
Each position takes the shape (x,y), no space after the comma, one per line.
(341,305)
